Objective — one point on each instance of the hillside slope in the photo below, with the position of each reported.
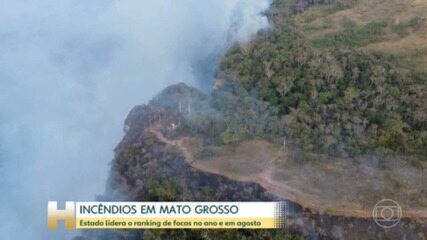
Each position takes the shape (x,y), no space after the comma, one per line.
(150,166)
(327,108)
(336,84)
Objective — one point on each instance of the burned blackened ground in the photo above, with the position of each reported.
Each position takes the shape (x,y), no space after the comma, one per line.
(147,169)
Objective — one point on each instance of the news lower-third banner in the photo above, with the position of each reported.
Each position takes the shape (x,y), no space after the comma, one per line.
(168,215)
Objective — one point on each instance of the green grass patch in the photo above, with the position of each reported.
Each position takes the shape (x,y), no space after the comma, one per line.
(352,35)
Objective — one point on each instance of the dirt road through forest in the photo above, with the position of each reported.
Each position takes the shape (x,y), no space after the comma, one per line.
(266,180)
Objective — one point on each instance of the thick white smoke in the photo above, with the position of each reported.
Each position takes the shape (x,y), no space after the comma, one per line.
(70,71)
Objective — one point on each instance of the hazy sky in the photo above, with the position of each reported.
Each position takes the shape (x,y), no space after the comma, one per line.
(71,70)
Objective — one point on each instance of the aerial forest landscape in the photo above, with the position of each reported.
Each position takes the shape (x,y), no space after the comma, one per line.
(321,104)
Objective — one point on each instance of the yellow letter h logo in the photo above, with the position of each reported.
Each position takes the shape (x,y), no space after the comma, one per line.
(54,215)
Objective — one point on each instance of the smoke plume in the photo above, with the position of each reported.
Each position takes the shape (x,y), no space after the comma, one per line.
(71,70)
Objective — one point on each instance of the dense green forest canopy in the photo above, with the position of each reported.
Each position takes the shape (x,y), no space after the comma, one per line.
(330,94)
